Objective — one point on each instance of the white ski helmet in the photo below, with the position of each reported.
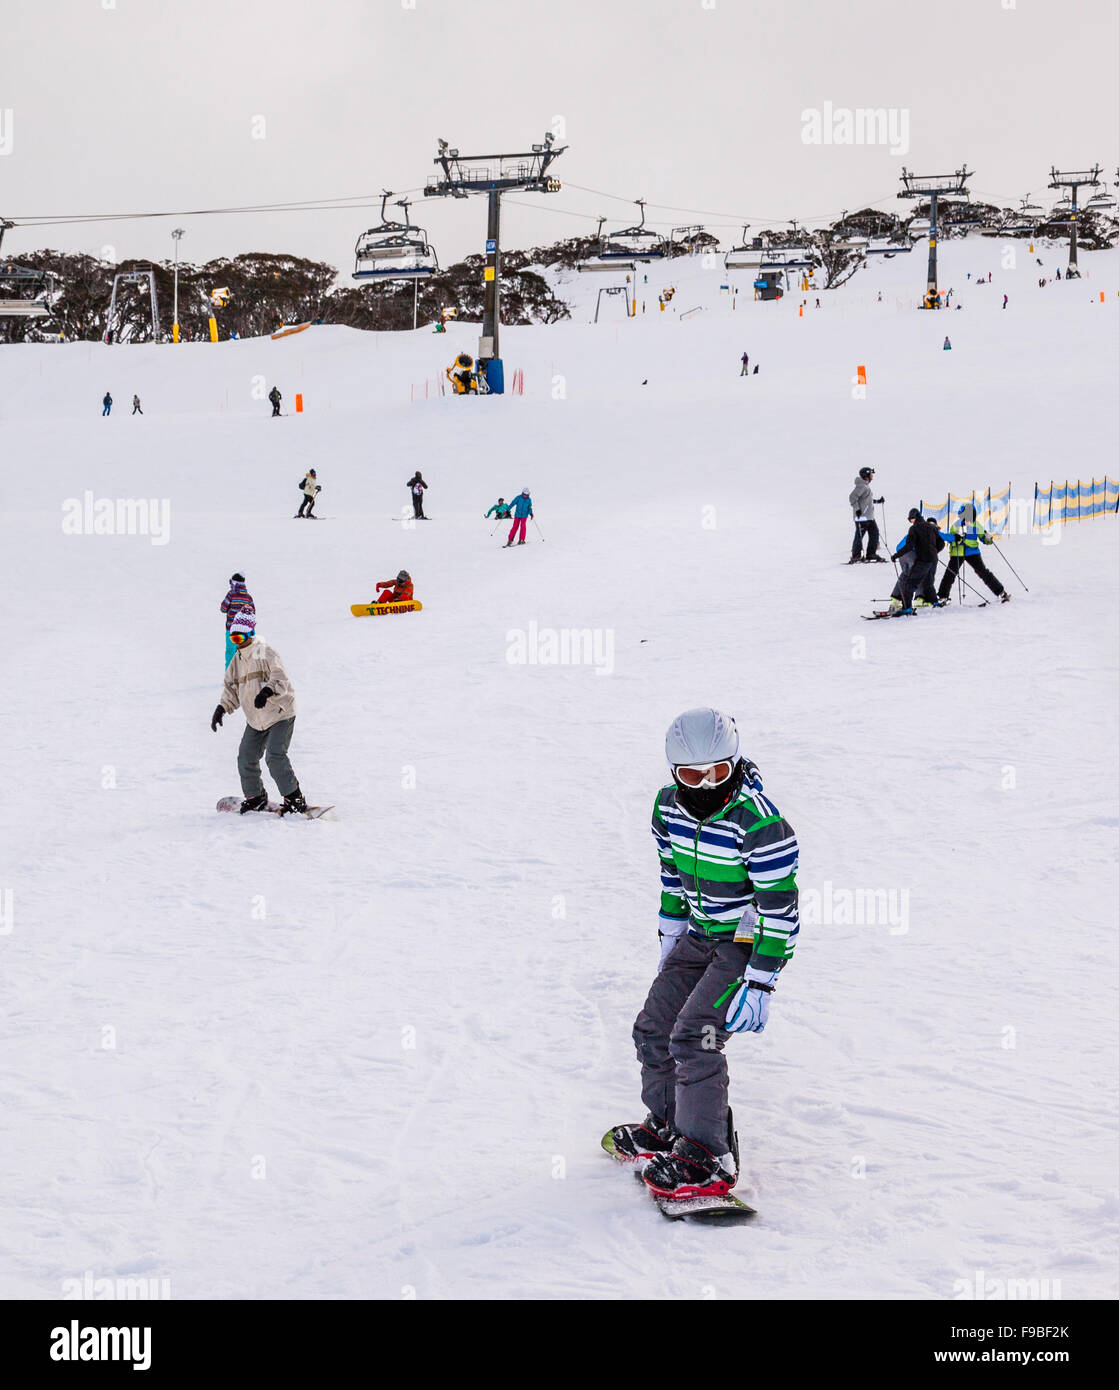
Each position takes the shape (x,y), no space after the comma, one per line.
(701,736)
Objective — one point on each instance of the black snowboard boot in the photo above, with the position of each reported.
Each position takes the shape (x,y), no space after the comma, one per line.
(638,1142)
(690,1170)
(255,803)
(294,802)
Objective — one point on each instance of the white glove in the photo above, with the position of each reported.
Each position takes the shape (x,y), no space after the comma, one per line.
(671,930)
(748,1011)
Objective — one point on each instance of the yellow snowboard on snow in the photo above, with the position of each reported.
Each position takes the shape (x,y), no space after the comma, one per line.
(377,610)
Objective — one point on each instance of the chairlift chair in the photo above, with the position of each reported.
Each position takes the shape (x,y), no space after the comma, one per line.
(394,250)
(638,243)
(743,257)
(885,246)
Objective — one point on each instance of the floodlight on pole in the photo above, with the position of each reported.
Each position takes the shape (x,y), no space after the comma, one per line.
(1074,181)
(177,236)
(493,175)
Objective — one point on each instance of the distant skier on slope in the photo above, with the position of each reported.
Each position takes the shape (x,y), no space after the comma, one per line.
(310,489)
(398,590)
(745,365)
(862,500)
(136,406)
(256,681)
(728,924)
(275,397)
(236,601)
(106,404)
(417,487)
(522,510)
(964,540)
(501,509)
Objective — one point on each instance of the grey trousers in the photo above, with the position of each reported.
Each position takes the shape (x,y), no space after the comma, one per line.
(273,743)
(680,1037)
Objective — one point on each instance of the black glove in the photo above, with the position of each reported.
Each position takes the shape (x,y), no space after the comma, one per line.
(262,698)
(880,499)
(219,715)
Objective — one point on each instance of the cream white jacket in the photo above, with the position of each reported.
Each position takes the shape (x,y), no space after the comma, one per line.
(252,667)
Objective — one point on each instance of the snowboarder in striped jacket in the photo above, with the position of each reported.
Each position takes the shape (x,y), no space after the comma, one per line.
(728,924)
(236,601)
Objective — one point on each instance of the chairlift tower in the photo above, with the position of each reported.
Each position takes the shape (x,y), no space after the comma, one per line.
(494,174)
(1083,178)
(933,187)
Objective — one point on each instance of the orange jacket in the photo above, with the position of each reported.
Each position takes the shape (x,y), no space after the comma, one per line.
(401,593)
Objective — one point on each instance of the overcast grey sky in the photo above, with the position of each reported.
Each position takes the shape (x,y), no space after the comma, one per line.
(110,106)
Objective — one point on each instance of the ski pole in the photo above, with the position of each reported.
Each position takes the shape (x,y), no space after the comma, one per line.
(885,538)
(537,525)
(500,519)
(1010,567)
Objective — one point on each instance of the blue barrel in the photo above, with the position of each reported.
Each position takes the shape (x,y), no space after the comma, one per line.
(495,376)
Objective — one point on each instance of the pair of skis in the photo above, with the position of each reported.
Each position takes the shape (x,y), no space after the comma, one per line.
(710,1211)
(921,608)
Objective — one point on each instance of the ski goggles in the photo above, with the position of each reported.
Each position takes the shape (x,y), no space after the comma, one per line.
(704,774)
(240,638)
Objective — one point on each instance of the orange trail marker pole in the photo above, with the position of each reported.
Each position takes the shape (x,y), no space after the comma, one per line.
(299,403)
(862,376)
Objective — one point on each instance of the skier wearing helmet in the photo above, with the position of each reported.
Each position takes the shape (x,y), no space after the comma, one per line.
(522,510)
(964,539)
(398,590)
(728,925)
(862,500)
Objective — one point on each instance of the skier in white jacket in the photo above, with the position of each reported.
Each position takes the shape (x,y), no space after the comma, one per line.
(256,681)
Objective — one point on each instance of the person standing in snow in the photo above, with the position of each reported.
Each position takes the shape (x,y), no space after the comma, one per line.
(136,406)
(275,397)
(964,539)
(310,490)
(106,404)
(921,543)
(1004,300)
(522,510)
(745,365)
(862,500)
(416,486)
(728,924)
(238,600)
(256,681)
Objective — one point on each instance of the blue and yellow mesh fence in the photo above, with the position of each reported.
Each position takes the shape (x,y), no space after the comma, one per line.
(1077,501)
(992,509)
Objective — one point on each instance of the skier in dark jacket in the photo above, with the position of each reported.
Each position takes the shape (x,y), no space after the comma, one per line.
(416,486)
(275,397)
(106,403)
(922,542)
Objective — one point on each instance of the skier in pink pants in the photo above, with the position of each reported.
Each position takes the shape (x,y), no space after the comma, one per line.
(522,510)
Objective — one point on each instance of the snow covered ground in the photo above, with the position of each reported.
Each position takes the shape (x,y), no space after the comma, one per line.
(374,1055)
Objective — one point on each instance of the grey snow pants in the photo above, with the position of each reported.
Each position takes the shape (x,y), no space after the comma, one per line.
(273,743)
(680,1038)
